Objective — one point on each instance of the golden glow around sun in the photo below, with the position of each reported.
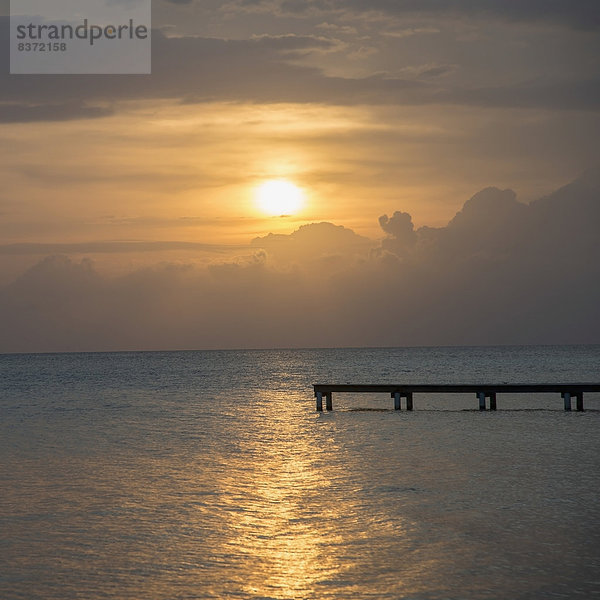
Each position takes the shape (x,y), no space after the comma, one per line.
(278,197)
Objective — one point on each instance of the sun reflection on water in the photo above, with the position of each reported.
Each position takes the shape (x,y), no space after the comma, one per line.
(279,526)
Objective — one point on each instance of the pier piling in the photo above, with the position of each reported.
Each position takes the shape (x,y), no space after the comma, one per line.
(397,396)
(481,396)
(319,396)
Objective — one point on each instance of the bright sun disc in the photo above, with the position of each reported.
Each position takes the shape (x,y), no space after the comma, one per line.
(278,197)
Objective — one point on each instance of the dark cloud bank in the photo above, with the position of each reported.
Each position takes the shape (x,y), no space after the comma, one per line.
(259,69)
(501,272)
(578,14)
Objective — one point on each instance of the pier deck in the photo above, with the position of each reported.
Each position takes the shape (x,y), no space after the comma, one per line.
(482,391)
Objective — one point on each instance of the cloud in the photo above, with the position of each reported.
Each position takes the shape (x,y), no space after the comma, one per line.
(402,33)
(493,228)
(337,28)
(64,304)
(582,14)
(401,235)
(324,244)
(291,42)
(555,95)
(205,69)
(25,113)
(500,272)
(260,69)
(110,247)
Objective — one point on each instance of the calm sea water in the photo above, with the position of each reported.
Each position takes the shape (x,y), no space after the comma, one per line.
(183,475)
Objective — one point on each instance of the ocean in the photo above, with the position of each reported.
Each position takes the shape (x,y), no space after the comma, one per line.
(189,475)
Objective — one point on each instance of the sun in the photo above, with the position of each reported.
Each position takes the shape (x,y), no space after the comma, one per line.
(278,197)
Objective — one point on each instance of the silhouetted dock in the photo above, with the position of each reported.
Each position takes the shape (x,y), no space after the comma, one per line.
(568,391)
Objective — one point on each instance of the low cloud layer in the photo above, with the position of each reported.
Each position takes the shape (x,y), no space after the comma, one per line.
(500,272)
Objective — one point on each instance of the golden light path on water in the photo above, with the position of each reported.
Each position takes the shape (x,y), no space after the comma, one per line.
(280,529)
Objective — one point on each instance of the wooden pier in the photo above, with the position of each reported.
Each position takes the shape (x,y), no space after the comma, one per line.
(482,392)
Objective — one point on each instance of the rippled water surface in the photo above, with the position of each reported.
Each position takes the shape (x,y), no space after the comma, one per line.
(211,475)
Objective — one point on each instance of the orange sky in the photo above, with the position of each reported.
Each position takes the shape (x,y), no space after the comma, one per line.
(367,108)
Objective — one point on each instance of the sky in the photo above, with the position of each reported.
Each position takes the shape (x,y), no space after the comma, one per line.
(446,153)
